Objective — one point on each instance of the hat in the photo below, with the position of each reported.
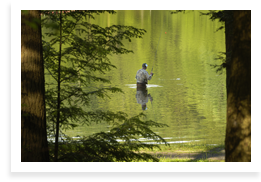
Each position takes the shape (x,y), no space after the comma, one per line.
(144,65)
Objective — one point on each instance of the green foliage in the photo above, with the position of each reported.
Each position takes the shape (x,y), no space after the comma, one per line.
(85,51)
(214,14)
(177,11)
(222,57)
(119,144)
(217,15)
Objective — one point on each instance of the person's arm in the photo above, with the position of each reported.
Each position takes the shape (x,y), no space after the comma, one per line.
(149,76)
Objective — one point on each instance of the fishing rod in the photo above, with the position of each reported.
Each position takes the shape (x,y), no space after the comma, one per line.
(156,51)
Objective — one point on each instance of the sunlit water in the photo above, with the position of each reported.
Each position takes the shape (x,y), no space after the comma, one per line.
(188,95)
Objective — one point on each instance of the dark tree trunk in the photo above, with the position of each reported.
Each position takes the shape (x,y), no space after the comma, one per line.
(34,147)
(238,131)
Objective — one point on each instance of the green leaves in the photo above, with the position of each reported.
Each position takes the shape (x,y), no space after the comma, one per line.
(222,57)
(221,16)
(177,11)
(122,143)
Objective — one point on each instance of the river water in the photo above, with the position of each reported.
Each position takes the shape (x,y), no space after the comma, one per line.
(187,93)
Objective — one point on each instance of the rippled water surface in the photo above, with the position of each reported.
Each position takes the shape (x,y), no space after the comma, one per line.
(187,93)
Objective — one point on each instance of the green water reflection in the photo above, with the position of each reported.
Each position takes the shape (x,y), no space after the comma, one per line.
(187,93)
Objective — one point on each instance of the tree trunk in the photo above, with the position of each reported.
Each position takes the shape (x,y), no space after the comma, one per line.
(238,131)
(34,146)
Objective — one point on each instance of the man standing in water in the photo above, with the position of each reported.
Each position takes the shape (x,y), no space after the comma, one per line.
(143,76)
(142,95)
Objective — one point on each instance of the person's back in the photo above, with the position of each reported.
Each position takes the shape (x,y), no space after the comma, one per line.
(143,76)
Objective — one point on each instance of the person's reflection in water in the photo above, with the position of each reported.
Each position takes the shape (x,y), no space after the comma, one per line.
(143,97)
